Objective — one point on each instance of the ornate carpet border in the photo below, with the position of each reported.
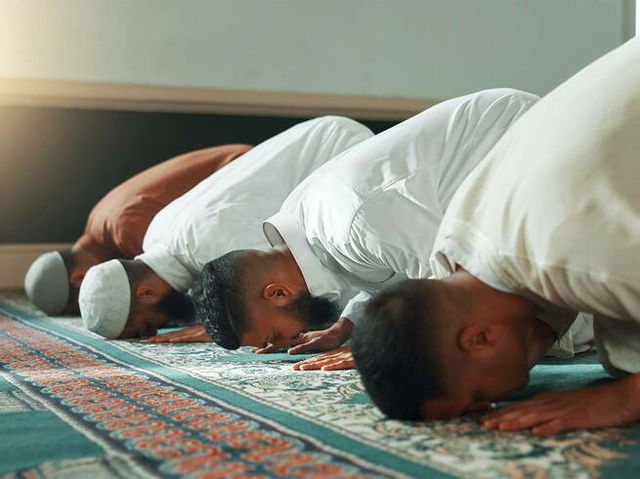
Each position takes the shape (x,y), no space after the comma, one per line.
(275,418)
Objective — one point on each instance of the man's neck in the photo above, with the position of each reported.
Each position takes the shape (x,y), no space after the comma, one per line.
(485,302)
(484,296)
(288,262)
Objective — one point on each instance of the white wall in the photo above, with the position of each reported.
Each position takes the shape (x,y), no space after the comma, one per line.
(405,48)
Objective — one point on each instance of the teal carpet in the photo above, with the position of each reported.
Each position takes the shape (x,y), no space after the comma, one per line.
(75,406)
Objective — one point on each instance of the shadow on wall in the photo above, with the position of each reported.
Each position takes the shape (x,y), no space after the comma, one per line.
(55,163)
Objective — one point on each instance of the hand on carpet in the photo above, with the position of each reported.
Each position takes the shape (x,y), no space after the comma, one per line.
(276,345)
(601,406)
(192,334)
(324,339)
(340,358)
(313,340)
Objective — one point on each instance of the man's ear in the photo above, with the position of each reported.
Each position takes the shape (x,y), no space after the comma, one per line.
(145,293)
(477,339)
(278,293)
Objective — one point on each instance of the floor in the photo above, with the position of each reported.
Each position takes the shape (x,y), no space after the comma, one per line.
(74,405)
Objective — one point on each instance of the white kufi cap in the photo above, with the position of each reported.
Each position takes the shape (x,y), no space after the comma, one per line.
(47,283)
(105,299)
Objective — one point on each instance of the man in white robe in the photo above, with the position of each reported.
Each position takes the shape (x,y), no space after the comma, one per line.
(133,298)
(365,220)
(548,224)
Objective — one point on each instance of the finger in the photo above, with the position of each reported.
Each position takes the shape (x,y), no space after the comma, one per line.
(163,338)
(507,411)
(344,364)
(159,339)
(301,348)
(338,352)
(187,338)
(495,417)
(526,421)
(314,360)
(324,357)
(572,420)
(322,362)
(493,422)
(532,417)
(515,408)
(299,340)
(265,349)
(196,339)
(556,403)
(308,365)
(555,426)
(299,366)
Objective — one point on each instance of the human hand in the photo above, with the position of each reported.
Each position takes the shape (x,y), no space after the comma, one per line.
(312,340)
(329,338)
(601,406)
(276,345)
(340,358)
(192,334)
(322,340)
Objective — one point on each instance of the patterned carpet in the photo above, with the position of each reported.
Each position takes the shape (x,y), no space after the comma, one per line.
(75,406)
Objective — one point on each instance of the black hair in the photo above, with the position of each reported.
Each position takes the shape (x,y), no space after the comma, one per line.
(137,270)
(218,297)
(397,349)
(70,262)
(314,312)
(176,306)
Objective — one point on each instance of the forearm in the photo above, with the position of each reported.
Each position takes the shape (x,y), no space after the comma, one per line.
(342,328)
(323,340)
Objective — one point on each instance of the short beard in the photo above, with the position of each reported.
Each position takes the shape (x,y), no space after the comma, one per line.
(176,306)
(313,312)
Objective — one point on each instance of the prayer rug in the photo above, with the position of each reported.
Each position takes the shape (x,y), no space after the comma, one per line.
(75,406)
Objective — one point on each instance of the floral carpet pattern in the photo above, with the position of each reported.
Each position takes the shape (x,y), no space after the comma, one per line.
(74,405)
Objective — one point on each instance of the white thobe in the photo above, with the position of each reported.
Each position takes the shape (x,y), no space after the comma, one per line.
(225,211)
(369,217)
(553,212)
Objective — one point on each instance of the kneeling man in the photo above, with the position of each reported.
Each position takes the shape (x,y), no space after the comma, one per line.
(134,298)
(117,225)
(549,222)
(364,220)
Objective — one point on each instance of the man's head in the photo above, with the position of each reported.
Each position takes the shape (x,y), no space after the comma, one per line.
(53,280)
(251,298)
(430,349)
(126,299)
